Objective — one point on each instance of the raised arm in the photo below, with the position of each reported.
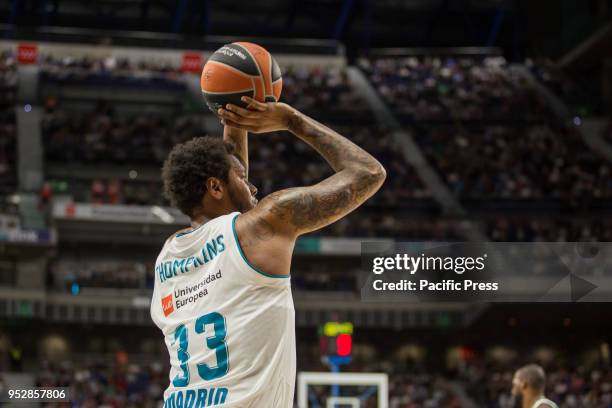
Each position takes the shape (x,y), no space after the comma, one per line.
(300,210)
(239,138)
(268,232)
(304,209)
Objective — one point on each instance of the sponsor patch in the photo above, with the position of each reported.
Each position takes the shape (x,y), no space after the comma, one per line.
(167,305)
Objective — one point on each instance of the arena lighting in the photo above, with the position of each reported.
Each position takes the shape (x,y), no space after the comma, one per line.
(162,214)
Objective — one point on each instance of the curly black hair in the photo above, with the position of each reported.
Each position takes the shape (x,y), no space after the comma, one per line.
(189,165)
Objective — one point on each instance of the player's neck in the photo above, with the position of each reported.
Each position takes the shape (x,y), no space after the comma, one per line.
(195,223)
(530,399)
(211,209)
(203,217)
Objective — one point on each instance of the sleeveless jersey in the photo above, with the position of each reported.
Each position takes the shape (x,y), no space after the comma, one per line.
(544,401)
(229,328)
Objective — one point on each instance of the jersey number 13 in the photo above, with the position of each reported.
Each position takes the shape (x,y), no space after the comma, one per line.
(215,342)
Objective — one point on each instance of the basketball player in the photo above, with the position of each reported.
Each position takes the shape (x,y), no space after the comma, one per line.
(222,294)
(528,386)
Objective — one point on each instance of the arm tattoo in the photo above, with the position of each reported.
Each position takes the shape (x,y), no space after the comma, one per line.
(310,208)
(358,176)
(259,229)
(337,150)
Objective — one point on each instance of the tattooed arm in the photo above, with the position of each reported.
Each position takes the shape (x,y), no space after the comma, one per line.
(358,176)
(272,227)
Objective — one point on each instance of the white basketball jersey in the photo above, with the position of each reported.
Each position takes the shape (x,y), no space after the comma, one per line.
(544,401)
(229,329)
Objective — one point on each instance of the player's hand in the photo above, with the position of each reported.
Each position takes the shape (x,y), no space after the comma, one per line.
(259,117)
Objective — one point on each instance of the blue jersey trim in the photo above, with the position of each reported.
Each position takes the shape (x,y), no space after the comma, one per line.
(244,257)
(180,234)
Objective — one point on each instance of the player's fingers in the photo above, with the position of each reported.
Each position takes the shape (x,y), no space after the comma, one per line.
(227,122)
(241,111)
(253,104)
(224,113)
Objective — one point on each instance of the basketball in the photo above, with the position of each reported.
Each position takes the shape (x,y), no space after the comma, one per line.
(240,69)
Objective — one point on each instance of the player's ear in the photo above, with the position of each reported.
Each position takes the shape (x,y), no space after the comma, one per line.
(215,187)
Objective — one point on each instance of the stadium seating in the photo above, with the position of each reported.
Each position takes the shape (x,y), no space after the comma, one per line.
(517,163)
(510,159)
(96,71)
(453,88)
(100,136)
(310,89)
(141,385)
(105,384)
(528,229)
(126,384)
(565,86)
(113,138)
(469,117)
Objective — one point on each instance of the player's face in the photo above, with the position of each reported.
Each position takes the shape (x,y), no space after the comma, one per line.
(241,191)
(517,386)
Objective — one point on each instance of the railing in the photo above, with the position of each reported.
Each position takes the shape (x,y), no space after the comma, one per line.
(438,51)
(134,310)
(167,40)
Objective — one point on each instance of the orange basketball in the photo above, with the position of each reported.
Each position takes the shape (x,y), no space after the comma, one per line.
(240,69)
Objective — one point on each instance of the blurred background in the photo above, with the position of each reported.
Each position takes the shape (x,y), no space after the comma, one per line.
(492,118)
